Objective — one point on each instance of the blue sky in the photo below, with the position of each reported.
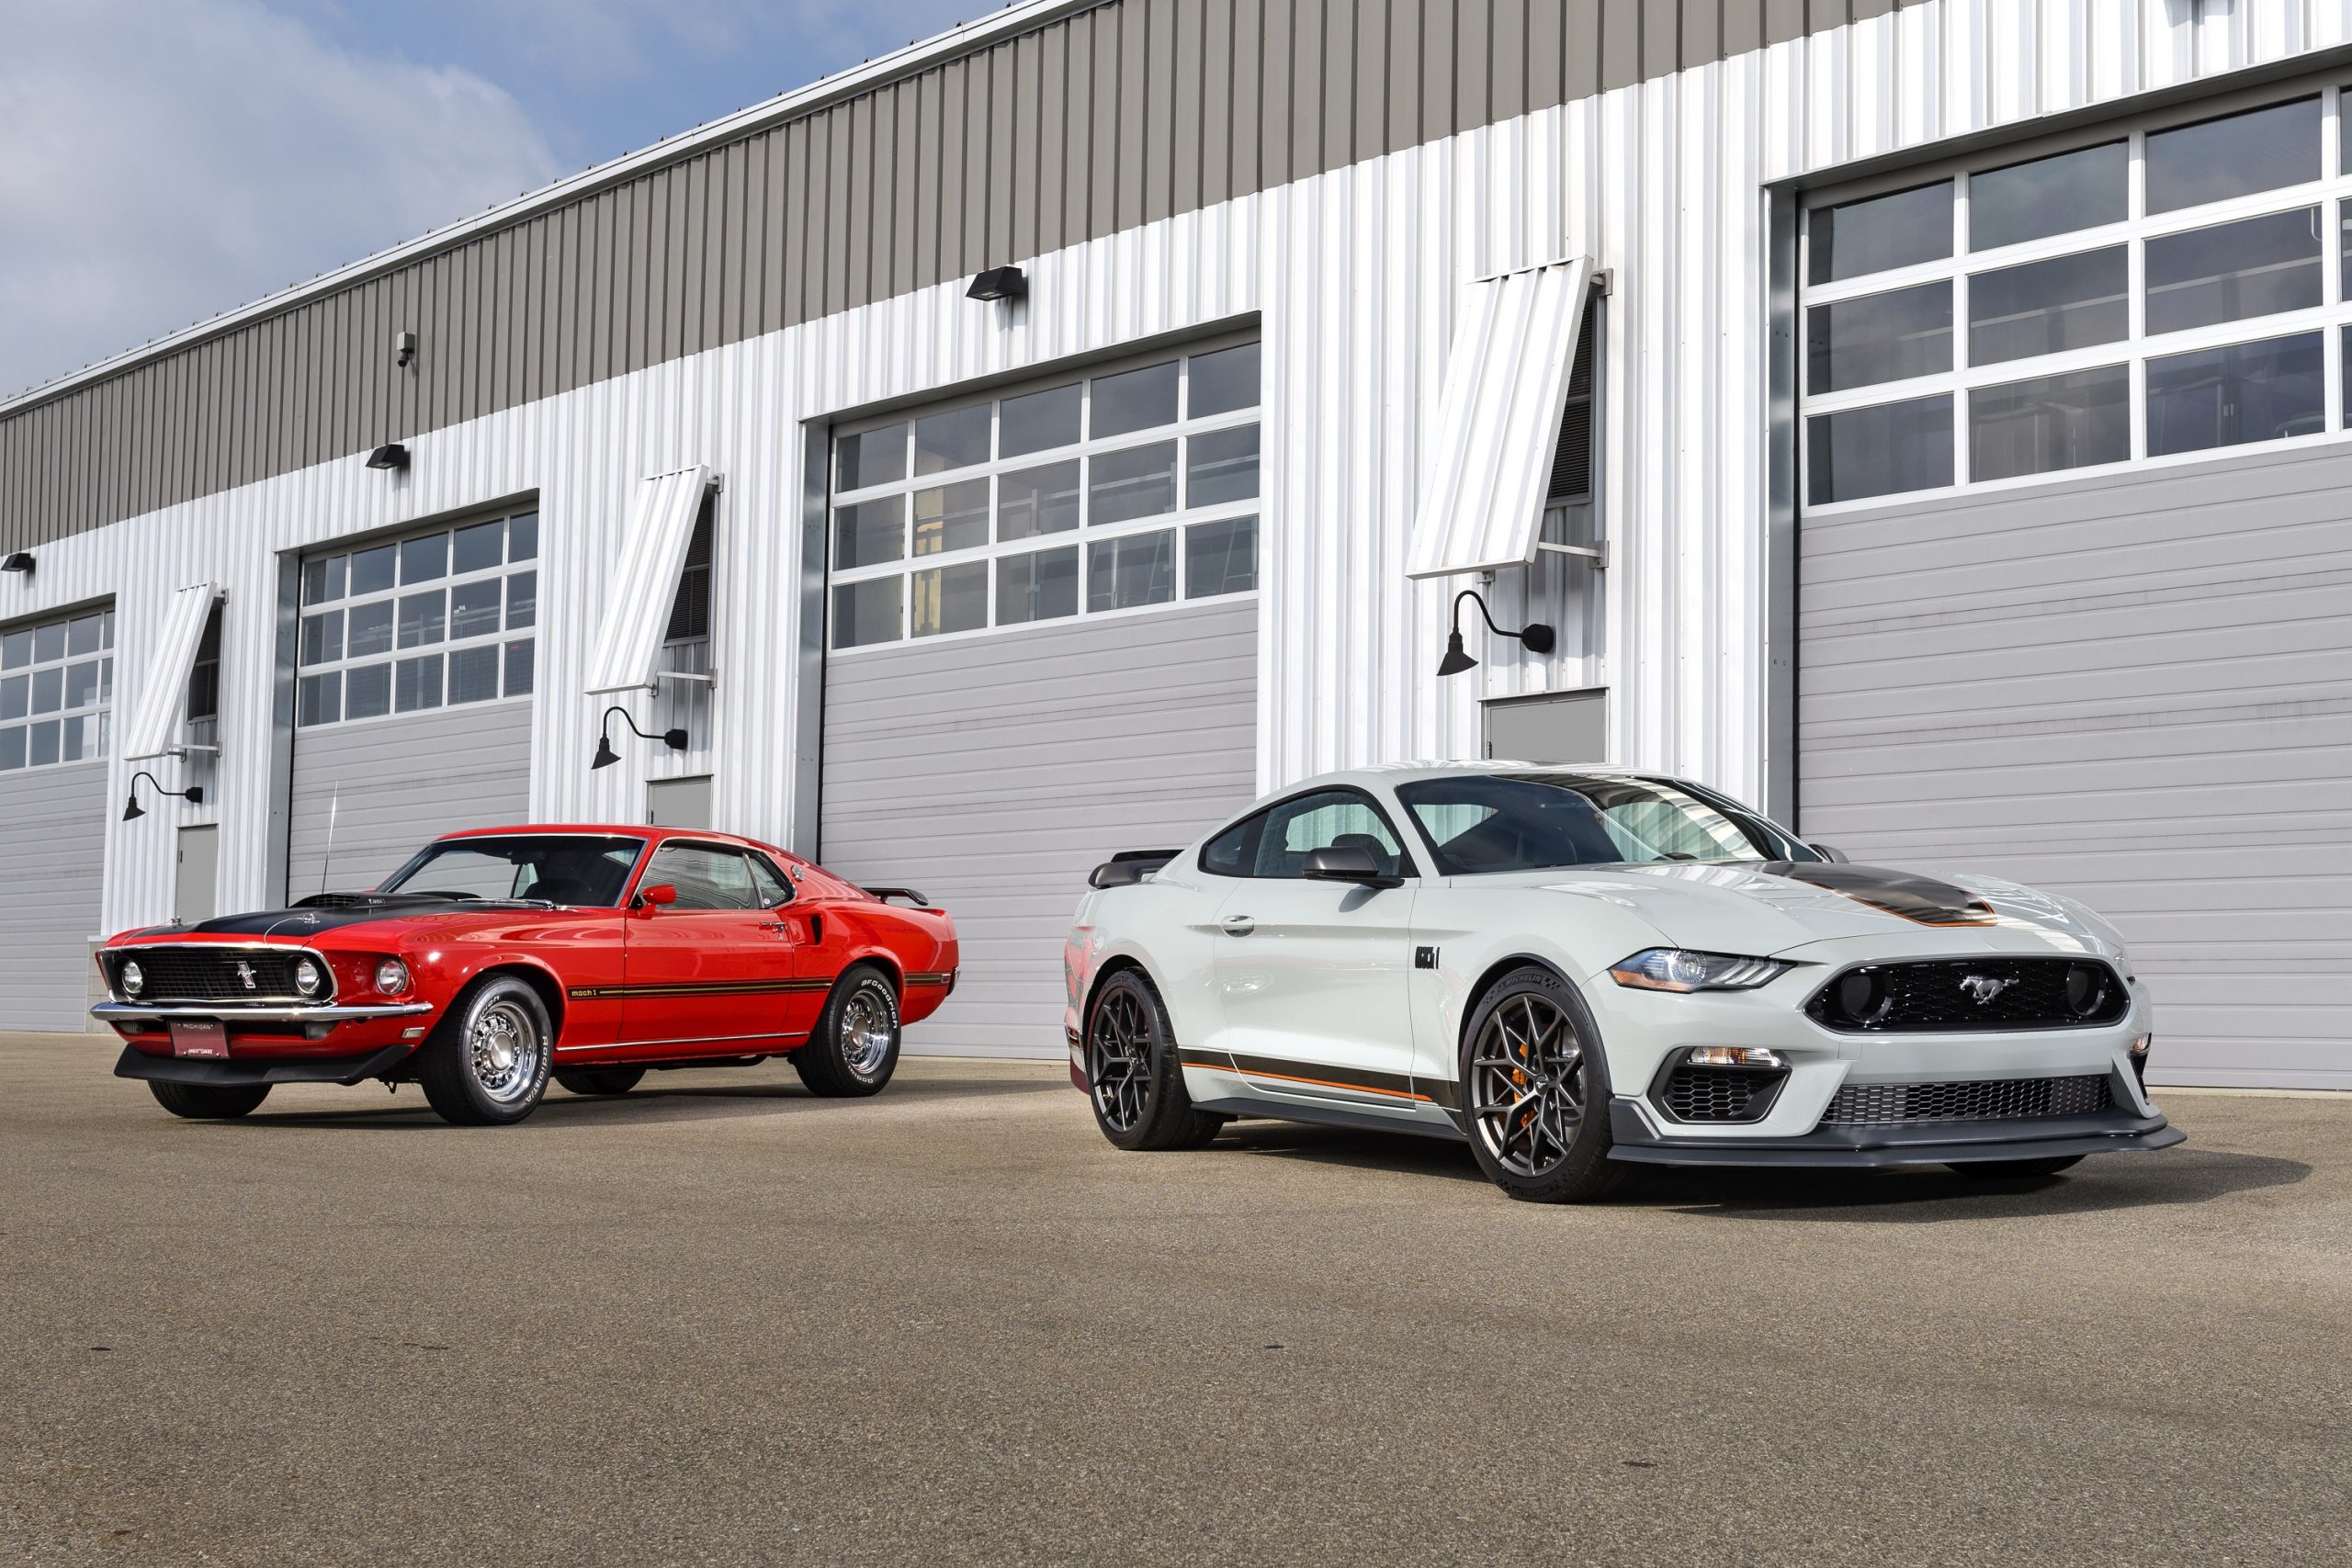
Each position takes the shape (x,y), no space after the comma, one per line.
(165,160)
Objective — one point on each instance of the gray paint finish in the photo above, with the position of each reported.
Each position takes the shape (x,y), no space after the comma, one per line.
(195,888)
(52,843)
(1566,726)
(994,773)
(2136,691)
(1089,123)
(401,782)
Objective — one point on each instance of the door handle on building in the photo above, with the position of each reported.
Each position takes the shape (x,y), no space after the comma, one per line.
(1240,925)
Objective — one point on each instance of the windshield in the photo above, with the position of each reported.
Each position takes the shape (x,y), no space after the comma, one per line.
(1494,822)
(562,868)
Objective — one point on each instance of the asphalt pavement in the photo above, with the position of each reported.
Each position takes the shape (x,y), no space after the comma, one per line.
(719,1321)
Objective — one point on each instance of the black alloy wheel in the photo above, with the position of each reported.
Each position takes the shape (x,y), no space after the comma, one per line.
(1134,1081)
(1536,1089)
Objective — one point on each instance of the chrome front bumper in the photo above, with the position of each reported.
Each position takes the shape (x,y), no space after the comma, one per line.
(291,1012)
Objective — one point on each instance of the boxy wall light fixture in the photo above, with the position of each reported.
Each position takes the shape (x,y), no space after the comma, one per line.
(998,283)
(132,811)
(18,560)
(1536,636)
(391,456)
(403,349)
(605,756)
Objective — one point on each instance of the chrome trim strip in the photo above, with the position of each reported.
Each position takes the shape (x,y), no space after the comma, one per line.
(112,1012)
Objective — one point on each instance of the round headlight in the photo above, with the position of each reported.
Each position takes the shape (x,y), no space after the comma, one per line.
(391,977)
(134,978)
(308,976)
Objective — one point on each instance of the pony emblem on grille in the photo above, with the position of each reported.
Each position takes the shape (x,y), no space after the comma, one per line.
(245,974)
(1982,988)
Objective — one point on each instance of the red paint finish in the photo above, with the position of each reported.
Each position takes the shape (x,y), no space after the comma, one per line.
(647,981)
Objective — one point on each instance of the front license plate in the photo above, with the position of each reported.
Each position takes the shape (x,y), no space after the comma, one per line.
(199,1037)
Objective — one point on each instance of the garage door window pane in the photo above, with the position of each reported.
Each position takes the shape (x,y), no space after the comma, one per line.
(865,613)
(522,538)
(48,690)
(2256,267)
(951,599)
(2215,159)
(474,608)
(17,650)
(1878,451)
(416,683)
(1221,467)
(49,641)
(869,533)
(319,699)
(1036,421)
(323,580)
(82,683)
(2049,196)
(322,637)
(1134,400)
(1222,381)
(1033,501)
(1220,557)
(16,693)
(2047,306)
(372,570)
(2052,423)
(368,629)
(2228,396)
(957,439)
(1879,232)
(1138,569)
(522,600)
(45,743)
(473,674)
(952,517)
(518,668)
(367,692)
(479,548)
(1040,587)
(1878,337)
(875,457)
(424,618)
(1138,482)
(12,749)
(425,560)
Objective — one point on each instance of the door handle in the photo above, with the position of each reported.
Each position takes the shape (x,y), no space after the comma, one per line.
(1240,925)
(780,926)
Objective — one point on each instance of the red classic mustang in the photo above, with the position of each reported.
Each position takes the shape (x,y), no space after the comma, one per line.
(502,957)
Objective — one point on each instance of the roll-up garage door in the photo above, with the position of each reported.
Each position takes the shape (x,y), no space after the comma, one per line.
(413,697)
(993,775)
(2135,690)
(56,693)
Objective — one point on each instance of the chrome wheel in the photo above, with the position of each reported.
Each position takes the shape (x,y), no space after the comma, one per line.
(503,1051)
(1119,1060)
(1527,1084)
(869,1029)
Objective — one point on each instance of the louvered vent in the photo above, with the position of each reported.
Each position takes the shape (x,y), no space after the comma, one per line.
(1572,458)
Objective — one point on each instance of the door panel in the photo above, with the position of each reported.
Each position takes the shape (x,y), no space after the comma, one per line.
(1313,978)
(715,969)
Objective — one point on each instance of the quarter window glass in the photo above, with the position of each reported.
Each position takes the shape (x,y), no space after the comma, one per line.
(2227,397)
(706,878)
(2045,306)
(1878,451)
(1879,232)
(1328,819)
(1878,337)
(2216,159)
(2258,266)
(2049,196)
(2051,422)
(1232,853)
(768,884)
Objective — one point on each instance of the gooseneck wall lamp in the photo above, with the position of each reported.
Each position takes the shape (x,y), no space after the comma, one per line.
(132,811)
(1536,636)
(605,756)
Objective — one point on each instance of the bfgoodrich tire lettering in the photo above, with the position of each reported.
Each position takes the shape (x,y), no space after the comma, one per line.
(208,1102)
(1535,1090)
(854,1048)
(1134,1083)
(486,1064)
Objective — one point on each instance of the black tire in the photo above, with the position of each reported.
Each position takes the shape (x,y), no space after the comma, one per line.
(1535,1092)
(1134,1083)
(208,1102)
(599,1080)
(2013,1170)
(486,1064)
(855,1047)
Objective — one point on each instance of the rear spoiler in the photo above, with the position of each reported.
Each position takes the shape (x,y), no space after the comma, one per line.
(909,894)
(1128,867)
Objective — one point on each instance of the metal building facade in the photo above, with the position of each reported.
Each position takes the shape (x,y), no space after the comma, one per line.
(1339,203)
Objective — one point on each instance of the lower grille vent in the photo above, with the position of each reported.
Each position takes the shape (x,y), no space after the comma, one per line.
(1720,1094)
(1987,1099)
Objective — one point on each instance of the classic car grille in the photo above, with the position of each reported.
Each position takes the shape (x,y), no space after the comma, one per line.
(1987,1100)
(1960,993)
(195,973)
(1719,1094)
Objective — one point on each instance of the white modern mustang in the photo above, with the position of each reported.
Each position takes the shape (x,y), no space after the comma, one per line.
(1576,969)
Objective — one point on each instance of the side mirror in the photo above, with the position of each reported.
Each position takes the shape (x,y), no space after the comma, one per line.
(659,893)
(1835,857)
(1348,863)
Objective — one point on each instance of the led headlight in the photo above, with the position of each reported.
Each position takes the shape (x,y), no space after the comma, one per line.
(308,976)
(391,977)
(1679,969)
(134,978)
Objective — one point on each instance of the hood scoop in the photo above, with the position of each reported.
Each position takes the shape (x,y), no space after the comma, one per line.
(1925,900)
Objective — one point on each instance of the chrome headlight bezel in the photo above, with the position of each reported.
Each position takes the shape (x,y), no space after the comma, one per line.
(392,977)
(309,977)
(1684,969)
(131,979)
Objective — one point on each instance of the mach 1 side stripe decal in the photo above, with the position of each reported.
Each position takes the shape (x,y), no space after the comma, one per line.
(1921,899)
(1360,1081)
(696,988)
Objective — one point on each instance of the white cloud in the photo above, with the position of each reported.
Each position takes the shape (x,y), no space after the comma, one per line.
(163,160)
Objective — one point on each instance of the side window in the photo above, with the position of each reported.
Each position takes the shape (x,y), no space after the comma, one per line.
(1326,819)
(705,875)
(769,884)
(1231,852)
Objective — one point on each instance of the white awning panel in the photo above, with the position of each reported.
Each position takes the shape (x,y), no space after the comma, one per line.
(644,582)
(163,698)
(1505,389)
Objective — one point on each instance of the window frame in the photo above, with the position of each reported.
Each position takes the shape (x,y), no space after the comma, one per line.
(101,711)
(645,878)
(1406,867)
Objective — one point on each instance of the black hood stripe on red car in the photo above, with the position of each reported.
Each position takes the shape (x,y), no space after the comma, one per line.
(316,917)
(1906,894)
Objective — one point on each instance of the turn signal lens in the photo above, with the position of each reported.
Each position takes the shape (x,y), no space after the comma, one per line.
(1733,1057)
(308,976)
(391,977)
(134,978)
(2140,1046)
(1679,969)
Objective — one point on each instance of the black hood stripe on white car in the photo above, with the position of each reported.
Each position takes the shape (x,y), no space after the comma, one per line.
(1906,894)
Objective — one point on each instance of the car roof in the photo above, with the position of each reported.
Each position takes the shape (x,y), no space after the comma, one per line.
(1394,774)
(616,829)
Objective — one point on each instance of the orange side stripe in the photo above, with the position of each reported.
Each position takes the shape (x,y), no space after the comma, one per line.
(1328,1083)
